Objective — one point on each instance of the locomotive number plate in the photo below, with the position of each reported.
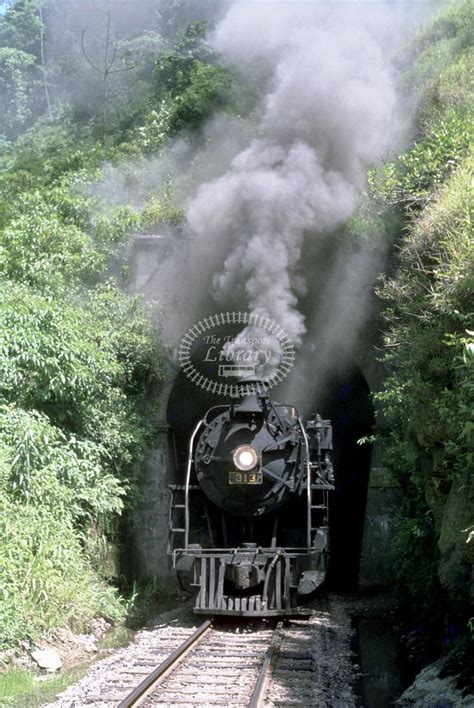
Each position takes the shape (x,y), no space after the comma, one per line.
(237,477)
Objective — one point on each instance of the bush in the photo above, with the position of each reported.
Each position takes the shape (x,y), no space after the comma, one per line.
(45,581)
(74,368)
(411,180)
(426,404)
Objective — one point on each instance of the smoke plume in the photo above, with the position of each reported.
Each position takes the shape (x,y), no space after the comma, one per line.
(330,111)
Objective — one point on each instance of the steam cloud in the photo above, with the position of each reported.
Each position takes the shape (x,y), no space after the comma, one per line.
(329,113)
(331,109)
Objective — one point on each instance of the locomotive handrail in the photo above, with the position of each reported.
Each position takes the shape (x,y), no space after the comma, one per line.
(308,482)
(247,551)
(186,487)
(293,550)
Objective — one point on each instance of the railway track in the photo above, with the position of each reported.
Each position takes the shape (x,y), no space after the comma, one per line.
(216,666)
(212,667)
(296,662)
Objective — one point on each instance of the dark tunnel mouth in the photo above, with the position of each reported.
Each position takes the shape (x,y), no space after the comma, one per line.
(347,403)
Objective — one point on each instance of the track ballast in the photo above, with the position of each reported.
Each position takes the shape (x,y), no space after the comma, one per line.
(296,662)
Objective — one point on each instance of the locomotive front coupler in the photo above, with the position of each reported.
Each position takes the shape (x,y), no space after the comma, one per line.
(244,574)
(243,570)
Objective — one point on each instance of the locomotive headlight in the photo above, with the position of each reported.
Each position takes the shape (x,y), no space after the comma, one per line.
(245,458)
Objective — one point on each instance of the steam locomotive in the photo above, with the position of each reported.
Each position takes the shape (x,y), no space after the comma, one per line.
(250,523)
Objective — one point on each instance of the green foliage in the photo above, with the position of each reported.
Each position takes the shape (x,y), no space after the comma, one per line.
(173,15)
(414,559)
(127,330)
(45,580)
(448,40)
(18,84)
(155,131)
(453,25)
(79,357)
(20,27)
(19,685)
(161,210)
(20,67)
(428,309)
(73,373)
(412,179)
(56,472)
(189,83)
(38,248)
(50,151)
(209,89)
(451,89)
(74,368)
(173,71)
(49,355)
(442,72)
(427,401)
(456,405)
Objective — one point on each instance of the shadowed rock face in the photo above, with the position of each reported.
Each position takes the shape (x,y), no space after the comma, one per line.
(456,565)
(432,690)
(384,500)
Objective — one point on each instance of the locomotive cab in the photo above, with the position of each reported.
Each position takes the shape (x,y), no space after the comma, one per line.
(251,519)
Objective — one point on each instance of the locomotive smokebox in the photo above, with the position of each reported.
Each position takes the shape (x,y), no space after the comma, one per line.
(247,456)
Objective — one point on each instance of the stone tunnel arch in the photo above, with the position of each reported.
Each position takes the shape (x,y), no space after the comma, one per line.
(378,495)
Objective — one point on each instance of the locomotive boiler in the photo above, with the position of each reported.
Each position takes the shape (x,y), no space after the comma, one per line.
(250,520)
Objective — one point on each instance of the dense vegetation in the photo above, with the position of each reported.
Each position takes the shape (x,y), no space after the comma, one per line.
(427,403)
(78,355)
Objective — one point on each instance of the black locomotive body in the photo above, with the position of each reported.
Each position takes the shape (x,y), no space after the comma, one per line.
(250,522)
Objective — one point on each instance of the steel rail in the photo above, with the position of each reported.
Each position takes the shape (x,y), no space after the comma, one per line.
(268,662)
(150,681)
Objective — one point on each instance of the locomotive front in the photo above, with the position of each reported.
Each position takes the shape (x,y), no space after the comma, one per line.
(251,519)
(248,458)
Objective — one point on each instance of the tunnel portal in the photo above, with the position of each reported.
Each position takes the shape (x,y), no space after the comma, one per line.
(345,400)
